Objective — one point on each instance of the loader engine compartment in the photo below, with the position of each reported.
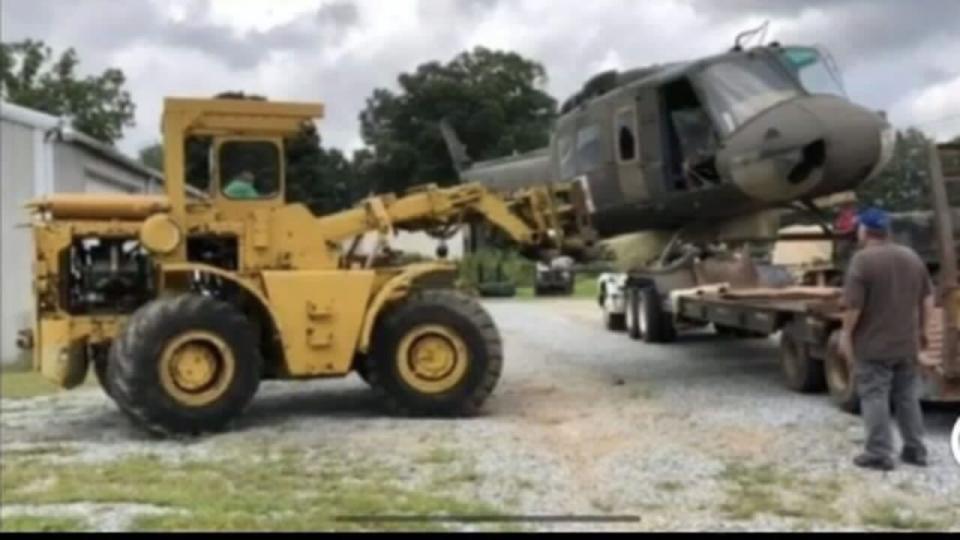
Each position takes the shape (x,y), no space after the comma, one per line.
(105,275)
(116,276)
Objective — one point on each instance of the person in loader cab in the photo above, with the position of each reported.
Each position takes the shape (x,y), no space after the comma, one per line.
(242,187)
(889,298)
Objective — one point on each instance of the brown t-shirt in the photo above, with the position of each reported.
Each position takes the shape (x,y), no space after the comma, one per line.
(888,284)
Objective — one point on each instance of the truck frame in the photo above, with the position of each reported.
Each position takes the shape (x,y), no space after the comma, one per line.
(655,306)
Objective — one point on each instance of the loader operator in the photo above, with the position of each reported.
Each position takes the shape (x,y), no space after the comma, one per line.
(242,187)
(888,296)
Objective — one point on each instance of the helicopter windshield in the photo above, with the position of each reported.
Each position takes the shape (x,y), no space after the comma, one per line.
(740,89)
(814,70)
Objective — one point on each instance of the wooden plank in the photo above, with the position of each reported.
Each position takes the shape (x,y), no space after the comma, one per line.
(788,293)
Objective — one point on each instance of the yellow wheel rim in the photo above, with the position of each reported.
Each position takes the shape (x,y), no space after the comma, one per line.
(196,368)
(432,359)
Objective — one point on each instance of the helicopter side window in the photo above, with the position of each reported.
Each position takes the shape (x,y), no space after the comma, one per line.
(626,136)
(589,149)
(249,170)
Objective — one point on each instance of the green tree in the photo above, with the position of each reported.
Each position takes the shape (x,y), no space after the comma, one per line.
(152,156)
(32,76)
(903,185)
(491,98)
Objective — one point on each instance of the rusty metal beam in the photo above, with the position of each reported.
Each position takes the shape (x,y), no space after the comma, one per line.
(946,243)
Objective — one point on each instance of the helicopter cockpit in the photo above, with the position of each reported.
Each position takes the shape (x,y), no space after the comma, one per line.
(765,99)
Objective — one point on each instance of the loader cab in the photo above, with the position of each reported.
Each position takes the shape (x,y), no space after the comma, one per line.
(248,171)
(227,156)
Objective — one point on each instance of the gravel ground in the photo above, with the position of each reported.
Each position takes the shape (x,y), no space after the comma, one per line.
(698,435)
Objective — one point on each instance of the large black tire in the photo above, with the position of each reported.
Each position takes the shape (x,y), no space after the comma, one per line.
(655,325)
(451,312)
(138,357)
(801,372)
(360,366)
(839,377)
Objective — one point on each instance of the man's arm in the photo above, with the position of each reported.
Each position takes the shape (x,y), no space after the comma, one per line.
(850,319)
(854,293)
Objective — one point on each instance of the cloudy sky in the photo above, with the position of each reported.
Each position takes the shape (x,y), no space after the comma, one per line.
(897,55)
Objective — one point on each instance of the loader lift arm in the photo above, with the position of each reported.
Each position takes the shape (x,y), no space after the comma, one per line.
(549,217)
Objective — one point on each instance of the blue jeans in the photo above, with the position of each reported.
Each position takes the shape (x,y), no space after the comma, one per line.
(883,383)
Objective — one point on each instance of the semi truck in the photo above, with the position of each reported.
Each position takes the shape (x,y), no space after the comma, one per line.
(801,302)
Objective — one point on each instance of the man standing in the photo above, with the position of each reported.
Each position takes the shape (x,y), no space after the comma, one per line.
(889,298)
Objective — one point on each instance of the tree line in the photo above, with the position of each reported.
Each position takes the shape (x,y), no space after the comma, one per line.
(493,99)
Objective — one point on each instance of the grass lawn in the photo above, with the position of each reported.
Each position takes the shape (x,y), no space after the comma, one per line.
(252,490)
(585,287)
(20,382)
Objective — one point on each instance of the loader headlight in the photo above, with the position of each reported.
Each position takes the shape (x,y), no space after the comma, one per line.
(160,234)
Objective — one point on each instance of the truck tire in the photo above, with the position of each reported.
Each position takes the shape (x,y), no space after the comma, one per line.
(614,322)
(655,326)
(725,331)
(186,365)
(839,374)
(801,372)
(436,353)
(632,315)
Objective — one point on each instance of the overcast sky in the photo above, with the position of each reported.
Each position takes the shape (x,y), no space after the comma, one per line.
(896,55)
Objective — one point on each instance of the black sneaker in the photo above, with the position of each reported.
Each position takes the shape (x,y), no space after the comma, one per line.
(866,461)
(912,456)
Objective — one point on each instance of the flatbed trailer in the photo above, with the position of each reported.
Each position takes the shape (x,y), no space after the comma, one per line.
(655,308)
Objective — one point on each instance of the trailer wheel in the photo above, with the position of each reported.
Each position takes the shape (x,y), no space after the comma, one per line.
(840,380)
(614,322)
(633,313)
(184,366)
(655,325)
(436,353)
(801,372)
(725,331)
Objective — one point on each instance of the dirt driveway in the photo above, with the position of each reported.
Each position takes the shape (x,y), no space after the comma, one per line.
(699,435)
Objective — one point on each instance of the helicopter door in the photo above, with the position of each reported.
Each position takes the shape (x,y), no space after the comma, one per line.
(626,143)
(649,129)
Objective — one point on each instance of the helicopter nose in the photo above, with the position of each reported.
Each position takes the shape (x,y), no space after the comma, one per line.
(858,143)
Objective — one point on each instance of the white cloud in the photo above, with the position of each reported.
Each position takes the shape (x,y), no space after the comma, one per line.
(936,110)
(338,51)
(246,15)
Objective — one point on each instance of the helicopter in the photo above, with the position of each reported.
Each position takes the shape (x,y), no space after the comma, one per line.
(710,148)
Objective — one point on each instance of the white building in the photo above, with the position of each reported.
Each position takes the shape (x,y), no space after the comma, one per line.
(40,154)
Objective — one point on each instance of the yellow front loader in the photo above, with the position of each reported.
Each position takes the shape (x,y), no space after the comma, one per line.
(183,303)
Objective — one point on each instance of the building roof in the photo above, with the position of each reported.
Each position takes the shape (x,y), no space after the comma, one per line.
(58,127)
